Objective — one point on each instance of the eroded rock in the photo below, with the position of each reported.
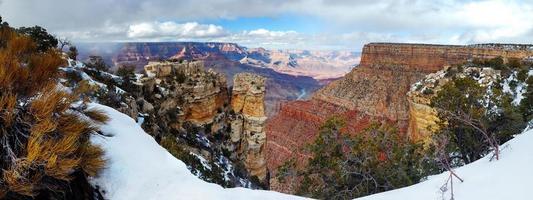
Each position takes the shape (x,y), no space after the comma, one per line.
(248,127)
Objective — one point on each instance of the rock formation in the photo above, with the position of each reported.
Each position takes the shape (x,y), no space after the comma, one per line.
(199,105)
(422,117)
(378,86)
(291,74)
(189,111)
(374,91)
(248,125)
(196,93)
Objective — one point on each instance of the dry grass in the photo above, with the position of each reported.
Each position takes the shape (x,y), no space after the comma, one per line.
(44,138)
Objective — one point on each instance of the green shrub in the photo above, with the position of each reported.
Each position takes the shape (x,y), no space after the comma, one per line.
(346,167)
(471,128)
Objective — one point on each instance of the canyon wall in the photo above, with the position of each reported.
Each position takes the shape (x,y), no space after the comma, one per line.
(196,94)
(292,74)
(199,103)
(379,85)
(374,91)
(248,125)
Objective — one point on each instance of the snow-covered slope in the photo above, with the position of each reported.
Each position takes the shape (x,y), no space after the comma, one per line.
(138,168)
(508,178)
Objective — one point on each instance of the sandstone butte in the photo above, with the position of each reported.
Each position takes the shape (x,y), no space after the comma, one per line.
(248,127)
(373,91)
(202,101)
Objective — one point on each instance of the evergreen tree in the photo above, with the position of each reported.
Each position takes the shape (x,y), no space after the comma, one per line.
(526,106)
(473,126)
(72,52)
(97,63)
(345,167)
(127,73)
(457,101)
(40,36)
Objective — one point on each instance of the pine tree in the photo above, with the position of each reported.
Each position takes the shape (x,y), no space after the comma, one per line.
(72,52)
(43,40)
(128,77)
(346,166)
(471,129)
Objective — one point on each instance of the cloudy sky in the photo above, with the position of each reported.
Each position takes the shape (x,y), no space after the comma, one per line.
(287,24)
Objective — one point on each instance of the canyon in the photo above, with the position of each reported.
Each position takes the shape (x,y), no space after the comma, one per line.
(373,92)
(200,96)
(218,131)
(317,64)
(291,74)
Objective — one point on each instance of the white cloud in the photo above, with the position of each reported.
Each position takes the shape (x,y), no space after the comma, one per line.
(343,24)
(269,34)
(190,30)
(267,38)
(492,21)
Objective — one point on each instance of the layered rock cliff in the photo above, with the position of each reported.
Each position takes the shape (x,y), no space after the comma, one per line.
(375,90)
(291,74)
(378,86)
(195,94)
(189,110)
(248,124)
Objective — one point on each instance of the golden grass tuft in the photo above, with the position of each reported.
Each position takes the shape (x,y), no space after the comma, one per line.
(7,106)
(45,137)
(97,115)
(92,160)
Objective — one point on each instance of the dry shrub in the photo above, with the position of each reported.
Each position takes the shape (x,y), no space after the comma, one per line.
(44,136)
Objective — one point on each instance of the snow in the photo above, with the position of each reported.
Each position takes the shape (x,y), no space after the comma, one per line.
(73,65)
(140,120)
(204,162)
(138,168)
(507,178)
(519,90)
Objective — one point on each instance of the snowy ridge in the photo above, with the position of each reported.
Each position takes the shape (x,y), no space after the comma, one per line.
(77,66)
(138,168)
(507,178)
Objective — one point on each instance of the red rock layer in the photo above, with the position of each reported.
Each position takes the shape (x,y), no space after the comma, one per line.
(375,90)
(298,122)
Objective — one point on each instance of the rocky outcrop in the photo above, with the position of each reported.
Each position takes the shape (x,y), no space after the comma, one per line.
(248,94)
(423,119)
(196,94)
(376,90)
(379,85)
(291,74)
(248,124)
(188,110)
(200,97)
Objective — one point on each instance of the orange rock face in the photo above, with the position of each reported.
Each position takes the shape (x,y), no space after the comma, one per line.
(375,90)
(248,128)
